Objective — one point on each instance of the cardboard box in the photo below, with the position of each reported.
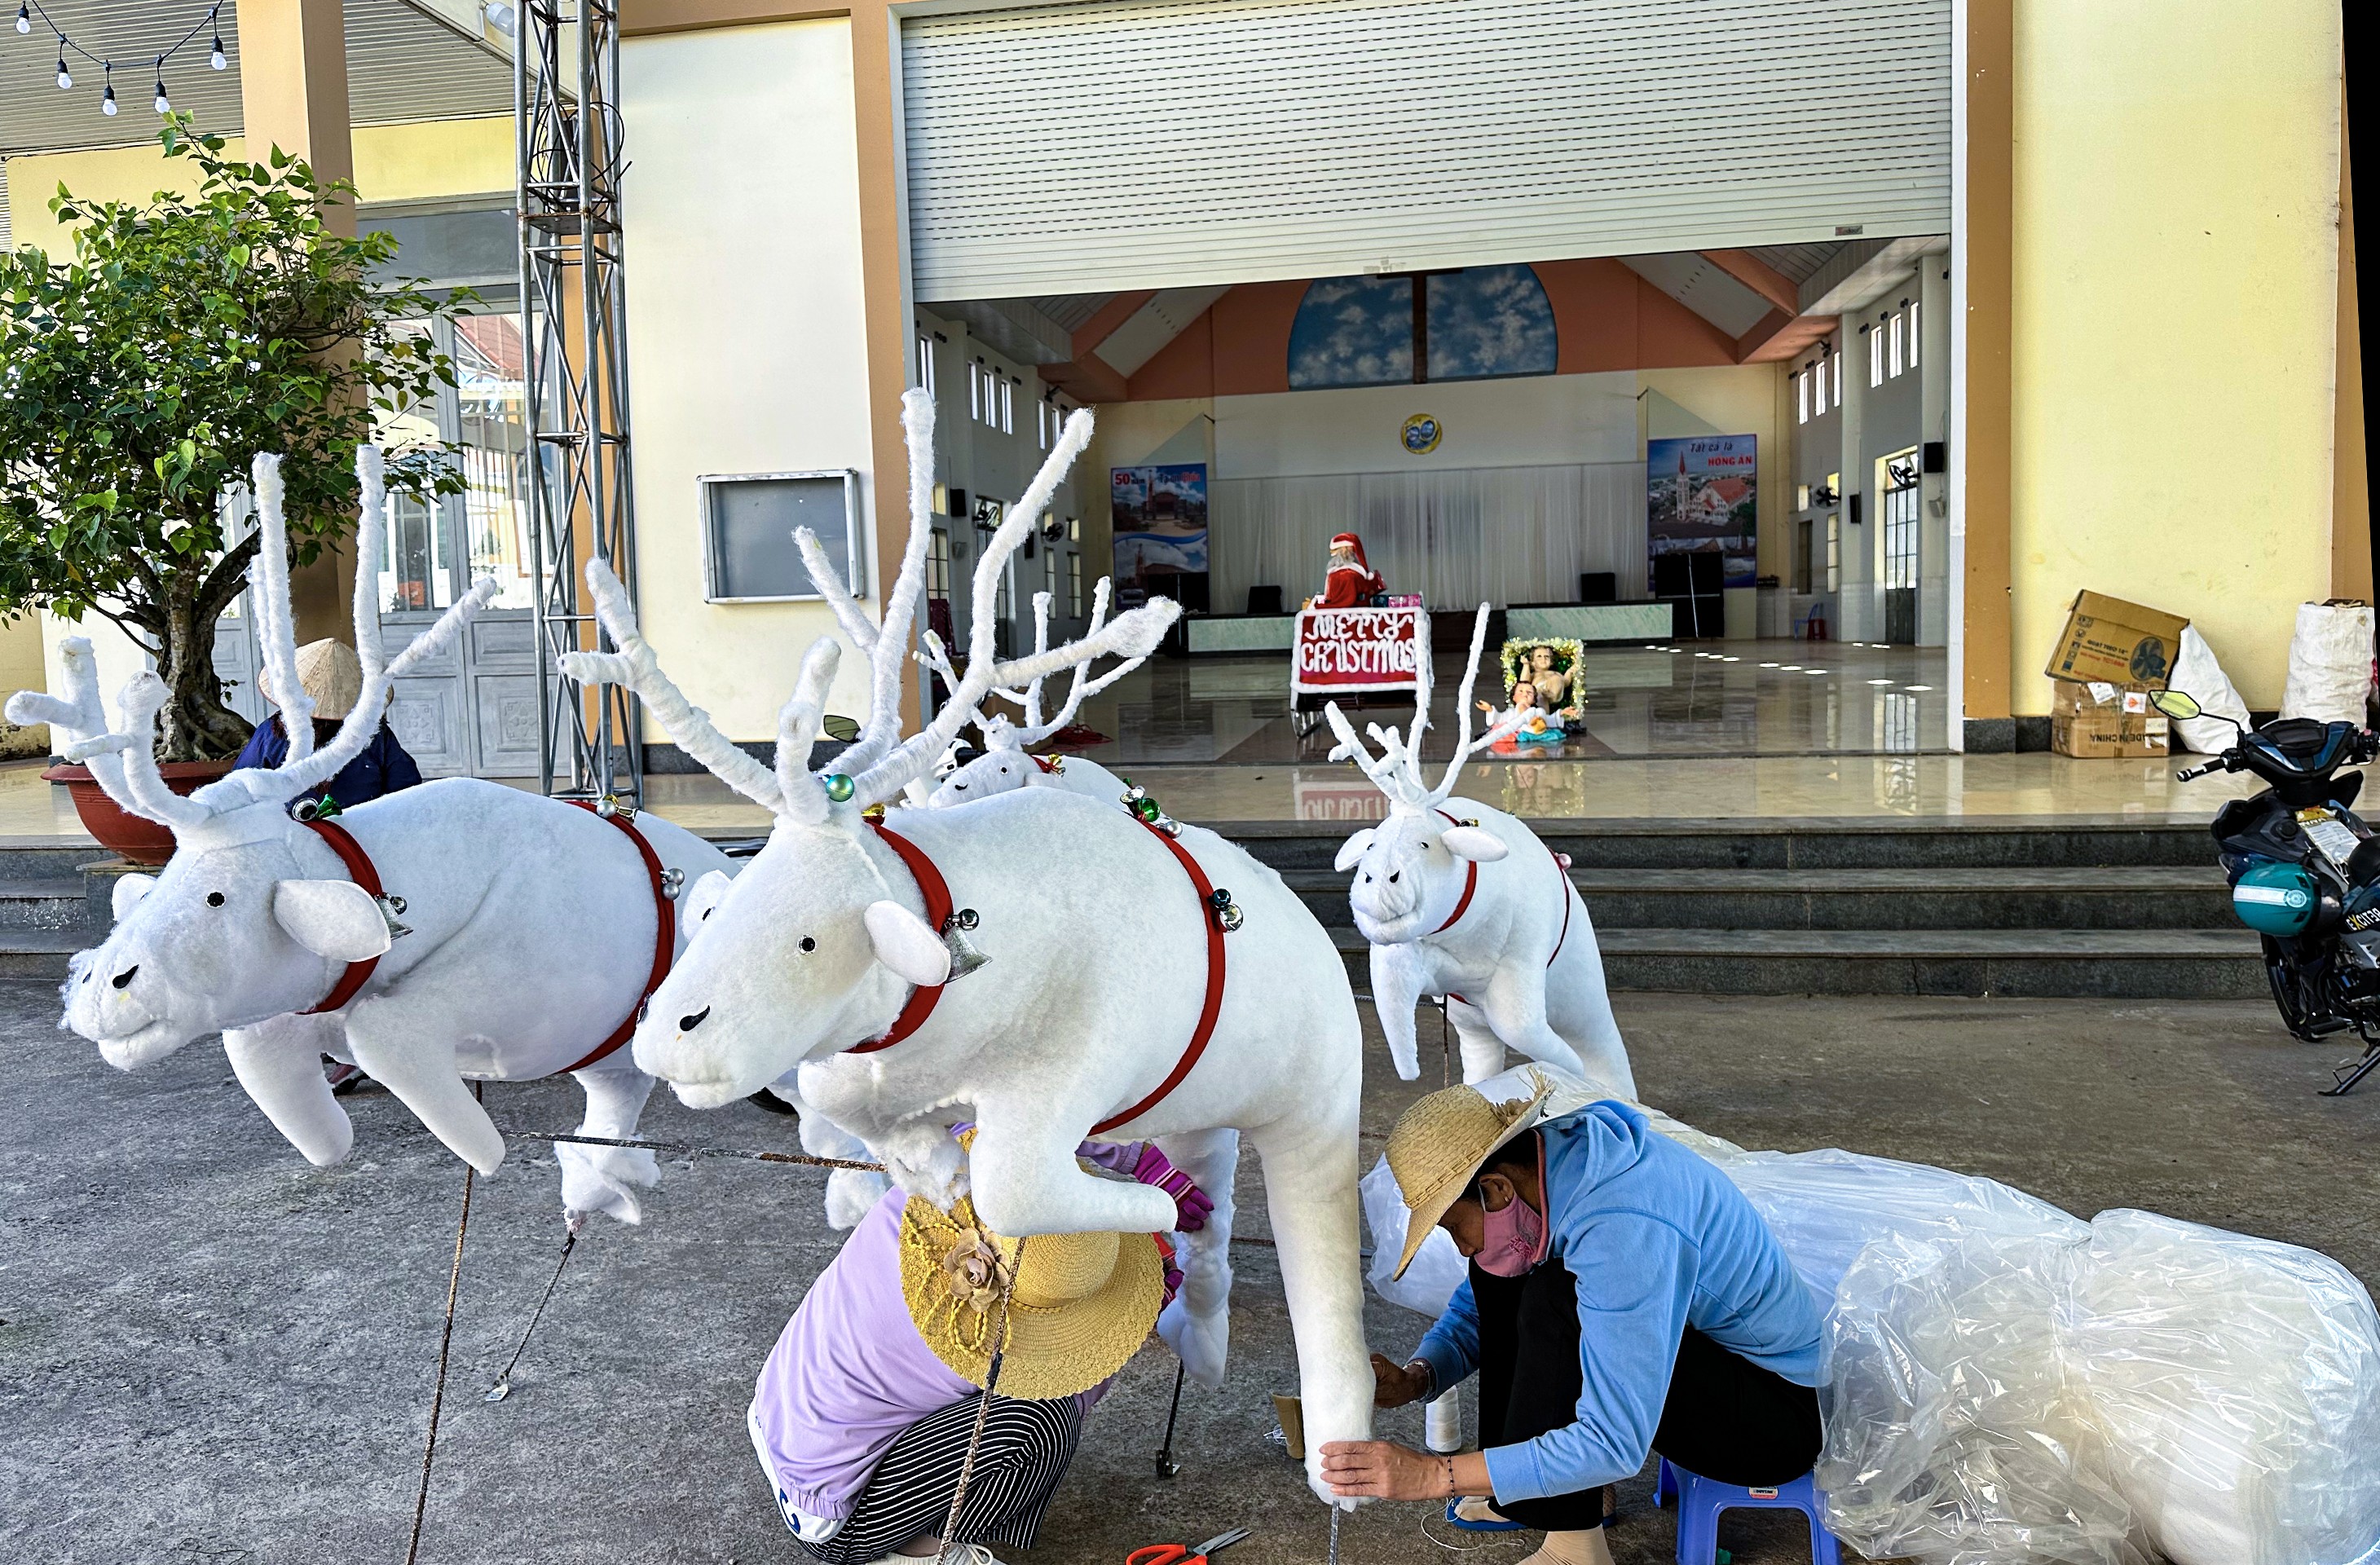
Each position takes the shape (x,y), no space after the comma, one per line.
(2098,719)
(2114,642)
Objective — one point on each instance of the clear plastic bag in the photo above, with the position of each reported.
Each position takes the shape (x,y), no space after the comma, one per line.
(1437,1269)
(2237,1381)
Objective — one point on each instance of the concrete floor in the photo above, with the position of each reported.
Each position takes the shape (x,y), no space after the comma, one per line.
(213,1352)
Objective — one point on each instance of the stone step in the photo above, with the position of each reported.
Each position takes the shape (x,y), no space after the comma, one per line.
(2030,897)
(40,954)
(1853,843)
(2029,963)
(53,902)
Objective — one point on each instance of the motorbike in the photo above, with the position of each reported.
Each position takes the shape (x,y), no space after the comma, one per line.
(2304,871)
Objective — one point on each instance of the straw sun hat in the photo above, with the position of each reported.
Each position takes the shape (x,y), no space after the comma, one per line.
(331,673)
(1439,1144)
(1083,1302)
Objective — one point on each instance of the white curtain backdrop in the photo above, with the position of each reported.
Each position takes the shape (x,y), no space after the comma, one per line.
(1457,535)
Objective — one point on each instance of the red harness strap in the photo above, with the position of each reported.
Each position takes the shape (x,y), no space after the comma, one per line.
(937,895)
(1561,867)
(359,869)
(1470,884)
(1042,762)
(1208,1013)
(664,938)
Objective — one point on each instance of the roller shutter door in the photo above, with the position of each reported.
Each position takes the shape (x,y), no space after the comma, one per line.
(1079,147)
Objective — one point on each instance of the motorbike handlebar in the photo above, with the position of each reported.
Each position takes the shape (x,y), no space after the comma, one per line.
(2192,773)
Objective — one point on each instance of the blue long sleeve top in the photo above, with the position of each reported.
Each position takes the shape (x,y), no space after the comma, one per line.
(383,768)
(1658,1239)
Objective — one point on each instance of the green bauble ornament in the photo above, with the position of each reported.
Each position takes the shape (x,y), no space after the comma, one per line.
(838,787)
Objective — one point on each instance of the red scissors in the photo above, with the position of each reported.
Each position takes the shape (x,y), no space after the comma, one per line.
(1181,1554)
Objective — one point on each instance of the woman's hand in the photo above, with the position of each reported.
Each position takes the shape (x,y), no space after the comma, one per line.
(1394,1385)
(1384,1470)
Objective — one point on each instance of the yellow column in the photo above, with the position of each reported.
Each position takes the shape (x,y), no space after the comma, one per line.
(292,95)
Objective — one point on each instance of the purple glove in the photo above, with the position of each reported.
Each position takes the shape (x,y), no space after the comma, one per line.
(1191,1204)
(1173,1272)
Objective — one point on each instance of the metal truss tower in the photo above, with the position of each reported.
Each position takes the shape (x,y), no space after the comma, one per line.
(574,321)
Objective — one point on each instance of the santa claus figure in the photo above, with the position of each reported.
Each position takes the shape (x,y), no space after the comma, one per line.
(1351,583)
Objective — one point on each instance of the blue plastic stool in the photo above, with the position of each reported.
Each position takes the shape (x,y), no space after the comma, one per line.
(1700,1500)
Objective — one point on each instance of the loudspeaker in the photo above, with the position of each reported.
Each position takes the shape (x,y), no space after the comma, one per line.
(1598,586)
(1670,577)
(1935,457)
(1264,600)
(1708,571)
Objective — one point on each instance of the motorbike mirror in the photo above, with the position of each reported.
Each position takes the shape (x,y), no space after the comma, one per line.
(2175,704)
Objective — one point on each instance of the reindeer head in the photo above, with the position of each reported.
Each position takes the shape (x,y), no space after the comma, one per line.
(234,930)
(1410,868)
(1005,766)
(809,949)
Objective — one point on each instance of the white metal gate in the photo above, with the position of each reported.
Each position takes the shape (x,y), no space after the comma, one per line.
(1069,149)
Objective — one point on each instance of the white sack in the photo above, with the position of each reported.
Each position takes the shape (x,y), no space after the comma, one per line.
(1437,1269)
(2199,676)
(2330,664)
(2238,1383)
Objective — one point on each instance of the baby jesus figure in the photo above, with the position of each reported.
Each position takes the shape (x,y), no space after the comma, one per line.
(1540,723)
(1553,683)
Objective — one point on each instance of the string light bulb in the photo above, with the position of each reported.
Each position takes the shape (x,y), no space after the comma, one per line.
(107,99)
(215,55)
(66,77)
(163,105)
(216,58)
(24,17)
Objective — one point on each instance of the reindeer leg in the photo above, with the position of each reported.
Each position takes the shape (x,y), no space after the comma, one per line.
(1515,1007)
(1482,1052)
(1197,1324)
(410,1056)
(1397,984)
(604,1179)
(1309,1169)
(850,1193)
(1025,1179)
(279,1063)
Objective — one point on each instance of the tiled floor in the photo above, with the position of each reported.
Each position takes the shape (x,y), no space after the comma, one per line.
(1714,731)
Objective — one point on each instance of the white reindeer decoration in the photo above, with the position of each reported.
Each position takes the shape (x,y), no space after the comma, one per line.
(1007,763)
(1100,991)
(458,929)
(1463,901)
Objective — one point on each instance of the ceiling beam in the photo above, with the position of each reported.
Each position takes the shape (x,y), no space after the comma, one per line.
(1780,336)
(1759,276)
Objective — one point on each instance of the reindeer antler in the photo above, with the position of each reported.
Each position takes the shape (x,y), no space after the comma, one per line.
(78,728)
(1397,771)
(277,636)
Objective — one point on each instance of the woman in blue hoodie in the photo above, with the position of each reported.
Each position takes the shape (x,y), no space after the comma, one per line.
(1623,1298)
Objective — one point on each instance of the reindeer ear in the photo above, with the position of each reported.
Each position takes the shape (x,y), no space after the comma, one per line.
(333,919)
(906,944)
(1471,843)
(702,898)
(130,890)
(1353,850)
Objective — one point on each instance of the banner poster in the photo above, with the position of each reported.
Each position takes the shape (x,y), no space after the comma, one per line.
(1160,516)
(1351,650)
(1699,498)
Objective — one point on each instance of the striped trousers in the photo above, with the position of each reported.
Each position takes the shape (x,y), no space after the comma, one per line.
(1025,1449)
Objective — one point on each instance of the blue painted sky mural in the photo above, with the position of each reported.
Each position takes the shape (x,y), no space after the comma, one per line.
(1489,320)
(1484,322)
(1352,332)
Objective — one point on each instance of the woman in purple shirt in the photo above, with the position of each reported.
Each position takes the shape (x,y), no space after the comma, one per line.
(867,1406)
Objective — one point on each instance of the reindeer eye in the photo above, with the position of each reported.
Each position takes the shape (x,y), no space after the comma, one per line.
(214,898)
(809,944)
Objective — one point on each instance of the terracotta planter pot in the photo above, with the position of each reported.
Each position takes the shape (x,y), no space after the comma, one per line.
(131,836)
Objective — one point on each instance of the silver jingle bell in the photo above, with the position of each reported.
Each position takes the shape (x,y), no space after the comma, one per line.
(672,882)
(965,956)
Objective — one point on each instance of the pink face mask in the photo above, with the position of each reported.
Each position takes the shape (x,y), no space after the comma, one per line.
(1510,1247)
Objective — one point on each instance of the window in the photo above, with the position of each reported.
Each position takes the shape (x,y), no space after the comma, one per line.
(749,522)
(975,391)
(1041,425)
(1839,377)
(926,362)
(1894,327)
(1007,405)
(1834,555)
(1818,397)
(1808,534)
(1874,335)
(1801,399)
(1073,583)
(1912,313)
(1480,322)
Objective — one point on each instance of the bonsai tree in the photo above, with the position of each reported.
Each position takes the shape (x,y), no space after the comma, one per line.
(140,378)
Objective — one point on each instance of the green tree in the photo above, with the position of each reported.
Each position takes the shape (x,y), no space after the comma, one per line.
(139,379)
